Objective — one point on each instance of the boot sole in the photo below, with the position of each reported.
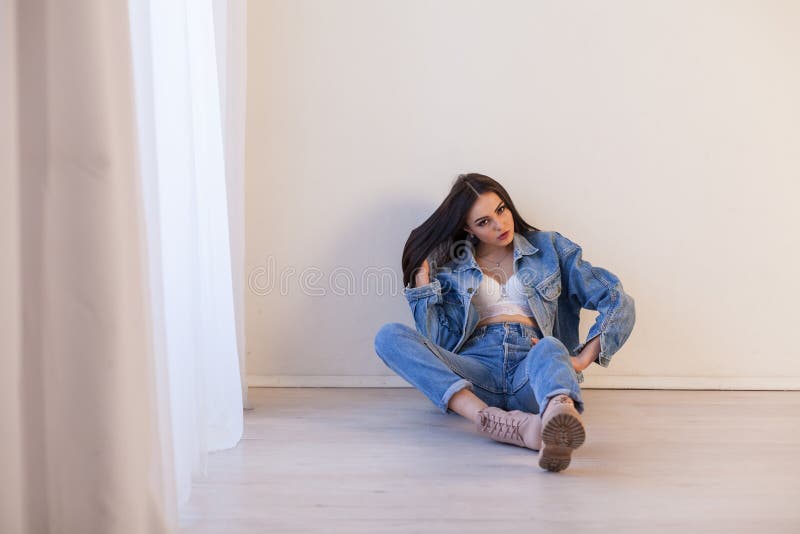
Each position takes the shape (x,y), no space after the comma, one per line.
(561,435)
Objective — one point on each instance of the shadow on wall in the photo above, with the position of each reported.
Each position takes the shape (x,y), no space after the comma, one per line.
(336,304)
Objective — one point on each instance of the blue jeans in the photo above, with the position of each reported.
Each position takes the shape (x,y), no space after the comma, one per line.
(499,363)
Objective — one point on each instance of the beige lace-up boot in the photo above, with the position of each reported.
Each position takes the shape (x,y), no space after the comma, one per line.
(515,427)
(562,433)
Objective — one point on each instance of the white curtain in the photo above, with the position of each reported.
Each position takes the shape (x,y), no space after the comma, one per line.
(121,365)
(230,18)
(181,132)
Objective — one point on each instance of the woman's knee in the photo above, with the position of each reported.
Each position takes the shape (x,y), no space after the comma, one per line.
(388,334)
(550,345)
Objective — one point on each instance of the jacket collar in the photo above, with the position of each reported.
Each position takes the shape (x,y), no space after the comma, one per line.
(522,247)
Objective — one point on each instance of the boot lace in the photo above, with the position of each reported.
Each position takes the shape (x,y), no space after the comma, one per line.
(503,427)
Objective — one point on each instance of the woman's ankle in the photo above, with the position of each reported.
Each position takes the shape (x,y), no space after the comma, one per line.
(466,404)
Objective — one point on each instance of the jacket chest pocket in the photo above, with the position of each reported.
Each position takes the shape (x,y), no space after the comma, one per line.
(544,302)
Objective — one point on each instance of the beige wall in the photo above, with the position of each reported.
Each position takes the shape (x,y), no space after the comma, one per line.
(664,137)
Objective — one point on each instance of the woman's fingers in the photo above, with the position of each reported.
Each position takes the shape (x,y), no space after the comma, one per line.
(534,340)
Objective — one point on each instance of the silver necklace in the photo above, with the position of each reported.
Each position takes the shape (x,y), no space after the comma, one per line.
(497,264)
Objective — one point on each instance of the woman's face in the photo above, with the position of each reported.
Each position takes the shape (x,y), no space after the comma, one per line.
(489,219)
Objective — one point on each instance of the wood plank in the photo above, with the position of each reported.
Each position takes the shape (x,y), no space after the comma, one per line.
(386,460)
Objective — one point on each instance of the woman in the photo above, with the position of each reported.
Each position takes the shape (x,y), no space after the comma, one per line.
(496,305)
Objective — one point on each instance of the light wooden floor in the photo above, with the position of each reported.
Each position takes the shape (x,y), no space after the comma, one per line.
(386,460)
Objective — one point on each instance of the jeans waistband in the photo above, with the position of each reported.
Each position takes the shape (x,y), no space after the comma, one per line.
(509,326)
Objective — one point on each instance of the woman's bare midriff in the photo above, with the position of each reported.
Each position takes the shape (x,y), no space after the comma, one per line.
(507,318)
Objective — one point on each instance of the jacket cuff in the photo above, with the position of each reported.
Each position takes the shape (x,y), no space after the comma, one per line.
(428,290)
(602,359)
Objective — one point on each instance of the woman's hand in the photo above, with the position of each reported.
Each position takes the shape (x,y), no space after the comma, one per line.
(586,356)
(422,276)
(580,362)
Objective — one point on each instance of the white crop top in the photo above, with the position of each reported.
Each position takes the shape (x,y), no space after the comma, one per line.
(493,299)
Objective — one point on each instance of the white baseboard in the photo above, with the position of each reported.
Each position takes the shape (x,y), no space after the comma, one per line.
(591,382)
(373,381)
(755,383)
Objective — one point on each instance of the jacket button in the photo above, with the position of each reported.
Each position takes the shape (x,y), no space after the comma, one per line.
(469,290)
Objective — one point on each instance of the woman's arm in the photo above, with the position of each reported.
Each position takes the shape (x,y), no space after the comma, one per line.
(595,288)
(589,354)
(425,300)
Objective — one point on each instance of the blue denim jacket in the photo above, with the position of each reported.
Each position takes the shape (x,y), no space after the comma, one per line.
(557,281)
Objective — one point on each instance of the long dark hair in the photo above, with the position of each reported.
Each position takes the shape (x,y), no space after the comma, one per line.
(442,235)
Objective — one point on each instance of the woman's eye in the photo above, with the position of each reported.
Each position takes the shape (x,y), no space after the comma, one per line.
(501,209)
(482,223)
